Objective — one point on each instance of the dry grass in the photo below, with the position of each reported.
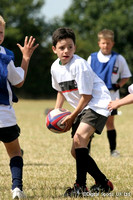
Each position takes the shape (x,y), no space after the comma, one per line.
(49,168)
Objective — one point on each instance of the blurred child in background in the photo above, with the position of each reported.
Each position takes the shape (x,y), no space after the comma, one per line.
(113,69)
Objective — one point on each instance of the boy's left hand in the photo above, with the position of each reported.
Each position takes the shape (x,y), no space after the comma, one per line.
(113,105)
(68,121)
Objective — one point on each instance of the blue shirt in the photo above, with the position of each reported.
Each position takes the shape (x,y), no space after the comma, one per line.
(4,61)
(104,70)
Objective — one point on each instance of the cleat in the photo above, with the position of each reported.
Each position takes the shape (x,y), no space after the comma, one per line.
(18,194)
(98,188)
(115,153)
(76,191)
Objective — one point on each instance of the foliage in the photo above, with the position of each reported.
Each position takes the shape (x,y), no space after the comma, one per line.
(23,18)
(88,17)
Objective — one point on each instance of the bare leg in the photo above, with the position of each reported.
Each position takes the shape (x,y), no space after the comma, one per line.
(13,148)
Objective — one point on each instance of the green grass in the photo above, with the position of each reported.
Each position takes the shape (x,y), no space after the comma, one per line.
(48,165)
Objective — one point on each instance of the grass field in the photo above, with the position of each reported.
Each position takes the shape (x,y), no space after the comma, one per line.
(48,166)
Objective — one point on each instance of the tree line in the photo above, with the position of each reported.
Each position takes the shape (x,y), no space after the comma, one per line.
(86,18)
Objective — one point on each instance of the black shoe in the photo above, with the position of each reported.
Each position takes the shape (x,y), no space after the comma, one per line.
(98,188)
(76,191)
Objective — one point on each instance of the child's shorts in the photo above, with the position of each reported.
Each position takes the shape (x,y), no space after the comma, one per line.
(9,134)
(92,118)
(114,112)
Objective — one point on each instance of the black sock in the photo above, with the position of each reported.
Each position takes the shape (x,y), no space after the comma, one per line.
(16,166)
(111,134)
(89,147)
(89,144)
(81,165)
(94,171)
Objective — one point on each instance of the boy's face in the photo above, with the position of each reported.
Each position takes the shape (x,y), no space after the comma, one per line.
(64,49)
(2,33)
(106,46)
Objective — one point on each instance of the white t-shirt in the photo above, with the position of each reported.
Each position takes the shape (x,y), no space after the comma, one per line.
(76,78)
(122,72)
(130,89)
(15,76)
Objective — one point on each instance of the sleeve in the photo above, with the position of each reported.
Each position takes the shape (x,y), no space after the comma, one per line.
(89,60)
(130,89)
(15,74)
(55,84)
(84,78)
(124,69)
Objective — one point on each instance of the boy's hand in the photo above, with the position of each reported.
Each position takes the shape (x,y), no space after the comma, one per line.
(68,121)
(28,48)
(116,87)
(27,51)
(113,105)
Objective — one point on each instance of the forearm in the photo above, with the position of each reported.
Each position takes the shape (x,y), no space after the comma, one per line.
(24,66)
(122,82)
(59,100)
(84,100)
(126,100)
(27,51)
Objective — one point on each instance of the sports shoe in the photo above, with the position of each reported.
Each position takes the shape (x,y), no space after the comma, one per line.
(97,188)
(115,153)
(76,191)
(18,194)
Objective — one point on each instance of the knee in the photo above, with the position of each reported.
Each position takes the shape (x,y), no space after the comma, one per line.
(73,153)
(77,140)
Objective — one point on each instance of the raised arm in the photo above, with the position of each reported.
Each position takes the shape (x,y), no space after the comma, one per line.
(27,51)
(59,100)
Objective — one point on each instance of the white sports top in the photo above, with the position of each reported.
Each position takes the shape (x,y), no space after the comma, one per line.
(15,76)
(122,72)
(76,78)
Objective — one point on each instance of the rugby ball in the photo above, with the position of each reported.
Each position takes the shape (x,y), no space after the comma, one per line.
(54,119)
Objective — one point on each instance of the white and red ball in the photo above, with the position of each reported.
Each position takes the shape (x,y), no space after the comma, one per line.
(54,119)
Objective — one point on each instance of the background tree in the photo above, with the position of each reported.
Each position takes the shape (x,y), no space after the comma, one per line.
(88,17)
(25,18)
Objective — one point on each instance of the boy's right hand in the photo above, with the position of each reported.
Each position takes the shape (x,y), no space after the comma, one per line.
(113,105)
(28,48)
(68,121)
(27,51)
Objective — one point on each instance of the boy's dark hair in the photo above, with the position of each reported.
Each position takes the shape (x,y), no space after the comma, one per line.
(62,33)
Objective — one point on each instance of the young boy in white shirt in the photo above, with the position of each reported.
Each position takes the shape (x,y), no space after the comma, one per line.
(76,82)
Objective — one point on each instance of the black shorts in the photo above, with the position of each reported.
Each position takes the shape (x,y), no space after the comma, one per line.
(92,118)
(8,134)
(114,112)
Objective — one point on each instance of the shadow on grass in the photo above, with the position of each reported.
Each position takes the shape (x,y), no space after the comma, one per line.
(47,193)
(38,164)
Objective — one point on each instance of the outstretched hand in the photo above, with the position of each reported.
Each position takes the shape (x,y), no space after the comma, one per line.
(27,51)
(28,48)
(113,105)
